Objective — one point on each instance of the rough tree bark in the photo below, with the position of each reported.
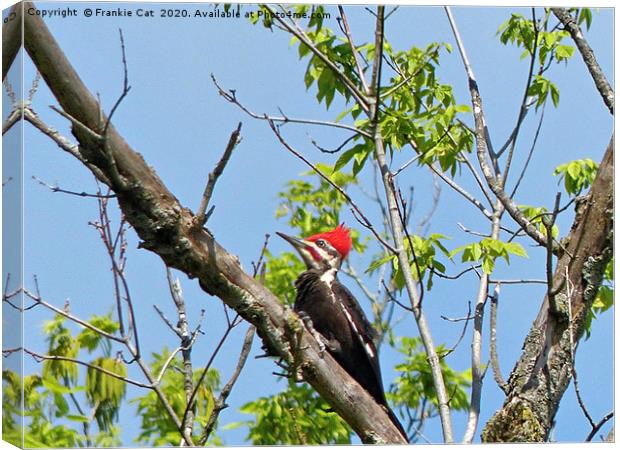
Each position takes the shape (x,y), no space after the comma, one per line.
(543,372)
(168,229)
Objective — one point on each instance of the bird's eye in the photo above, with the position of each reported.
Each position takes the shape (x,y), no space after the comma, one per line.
(320,243)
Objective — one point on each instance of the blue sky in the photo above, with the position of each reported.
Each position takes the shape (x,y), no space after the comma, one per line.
(174,117)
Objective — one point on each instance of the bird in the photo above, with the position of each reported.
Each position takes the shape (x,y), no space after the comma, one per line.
(330,310)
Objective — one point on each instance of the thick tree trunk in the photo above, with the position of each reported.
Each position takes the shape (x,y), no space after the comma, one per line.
(167,229)
(11,37)
(543,373)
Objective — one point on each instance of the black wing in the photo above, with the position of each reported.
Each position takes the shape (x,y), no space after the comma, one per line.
(370,376)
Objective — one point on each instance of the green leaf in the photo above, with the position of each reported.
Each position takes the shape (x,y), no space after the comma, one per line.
(348,155)
(488,264)
(77,418)
(516,249)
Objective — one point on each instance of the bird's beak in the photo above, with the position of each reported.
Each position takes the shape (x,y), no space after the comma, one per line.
(299,244)
(302,248)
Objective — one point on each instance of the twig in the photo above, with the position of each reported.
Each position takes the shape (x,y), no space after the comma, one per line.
(40,357)
(167,321)
(475,233)
(293,29)
(364,220)
(65,191)
(231,97)
(523,281)
(463,331)
(523,109)
(454,185)
(569,295)
(76,123)
(347,32)
(599,425)
(62,142)
(395,300)
(220,403)
(215,174)
(12,119)
(424,224)
(257,266)
(39,301)
(497,373)
(531,152)
(192,397)
(126,87)
(334,150)
(351,272)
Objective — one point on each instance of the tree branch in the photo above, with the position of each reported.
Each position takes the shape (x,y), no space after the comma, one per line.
(483,147)
(215,174)
(398,237)
(11,37)
(603,86)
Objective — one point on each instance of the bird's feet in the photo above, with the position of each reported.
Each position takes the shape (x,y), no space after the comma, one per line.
(317,336)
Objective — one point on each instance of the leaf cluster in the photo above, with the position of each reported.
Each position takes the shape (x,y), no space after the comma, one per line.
(157,428)
(295,416)
(414,388)
(578,175)
(487,251)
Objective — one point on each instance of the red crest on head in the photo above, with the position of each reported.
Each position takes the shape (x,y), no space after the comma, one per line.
(339,238)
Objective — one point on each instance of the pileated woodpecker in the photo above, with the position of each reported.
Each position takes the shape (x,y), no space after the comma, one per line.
(335,314)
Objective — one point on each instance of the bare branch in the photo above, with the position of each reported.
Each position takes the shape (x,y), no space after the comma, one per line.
(454,185)
(571,324)
(347,32)
(215,174)
(231,97)
(483,146)
(190,403)
(530,153)
(587,54)
(364,220)
(56,188)
(39,301)
(125,90)
(40,357)
(220,403)
(463,331)
(599,425)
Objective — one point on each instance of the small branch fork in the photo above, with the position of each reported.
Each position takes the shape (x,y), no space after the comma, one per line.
(231,97)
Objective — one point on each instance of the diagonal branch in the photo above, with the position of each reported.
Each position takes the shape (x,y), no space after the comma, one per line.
(201,216)
(603,86)
(293,29)
(483,149)
(220,403)
(231,97)
(398,236)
